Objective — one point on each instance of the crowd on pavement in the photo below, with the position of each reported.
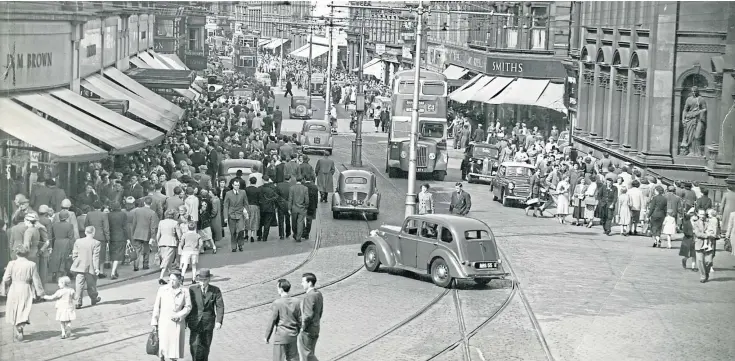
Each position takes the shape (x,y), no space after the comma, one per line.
(585,189)
(169,201)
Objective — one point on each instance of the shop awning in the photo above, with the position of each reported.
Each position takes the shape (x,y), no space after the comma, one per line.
(157,78)
(151,61)
(163,61)
(553,98)
(187,93)
(316,51)
(139,63)
(375,69)
(43,134)
(119,141)
(174,61)
(468,92)
(368,64)
(138,106)
(300,51)
(275,43)
(149,135)
(464,86)
(262,42)
(489,91)
(145,93)
(454,72)
(522,91)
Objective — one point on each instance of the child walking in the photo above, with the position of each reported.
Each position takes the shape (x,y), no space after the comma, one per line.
(669,227)
(65,311)
(191,243)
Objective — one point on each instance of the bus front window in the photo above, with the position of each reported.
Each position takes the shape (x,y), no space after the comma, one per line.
(432,130)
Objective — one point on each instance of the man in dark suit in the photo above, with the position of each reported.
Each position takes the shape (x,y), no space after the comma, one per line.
(311,209)
(238,179)
(207,313)
(236,210)
(284,216)
(607,202)
(286,320)
(312,308)
(298,203)
(134,190)
(42,194)
(101,224)
(461,202)
(268,207)
(281,170)
(144,228)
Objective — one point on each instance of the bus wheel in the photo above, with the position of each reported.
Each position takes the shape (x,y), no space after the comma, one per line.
(439,175)
(393,173)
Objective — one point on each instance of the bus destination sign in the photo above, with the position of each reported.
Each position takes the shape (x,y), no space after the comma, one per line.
(425,106)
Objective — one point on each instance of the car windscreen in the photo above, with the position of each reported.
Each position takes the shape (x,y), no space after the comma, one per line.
(317,128)
(519,171)
(356,180)
(477,234)
(485,152)
(233,171)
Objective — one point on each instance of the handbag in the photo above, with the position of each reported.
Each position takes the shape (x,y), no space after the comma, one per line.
(589,201)
(151,346)
(130,254)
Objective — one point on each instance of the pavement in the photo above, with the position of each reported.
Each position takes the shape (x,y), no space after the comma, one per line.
(595,297)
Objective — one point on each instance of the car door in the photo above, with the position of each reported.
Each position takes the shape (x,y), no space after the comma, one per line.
(407,243)
(428,241)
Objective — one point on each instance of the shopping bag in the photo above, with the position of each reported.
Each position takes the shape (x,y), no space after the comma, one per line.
(151,347)
(130,254)
(728,245)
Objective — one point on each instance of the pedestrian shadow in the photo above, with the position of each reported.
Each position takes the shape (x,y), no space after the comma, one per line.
(723,279)
(217,279)
(45,335)
(78,335)
(123,302)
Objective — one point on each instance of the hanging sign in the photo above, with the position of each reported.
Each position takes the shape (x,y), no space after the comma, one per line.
(380,49)
(407,53)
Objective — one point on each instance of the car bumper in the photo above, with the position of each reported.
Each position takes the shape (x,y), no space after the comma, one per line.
(322,148)
(481,177)
(355,209)
(516,197)
(499,272)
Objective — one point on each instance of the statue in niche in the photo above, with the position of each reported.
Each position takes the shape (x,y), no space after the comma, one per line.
(693,119)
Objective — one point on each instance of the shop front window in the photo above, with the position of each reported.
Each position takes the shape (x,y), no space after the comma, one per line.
(165,28)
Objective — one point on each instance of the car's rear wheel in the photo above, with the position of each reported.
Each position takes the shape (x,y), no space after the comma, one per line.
(335,214)
(439,175)
(470,179)
(329,152)
(440,273)
(371,259)
(503,199)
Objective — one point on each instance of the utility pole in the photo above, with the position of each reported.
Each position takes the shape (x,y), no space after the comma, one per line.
(280,71)
(328,97)
(411,193)
(357,148)
(308,84)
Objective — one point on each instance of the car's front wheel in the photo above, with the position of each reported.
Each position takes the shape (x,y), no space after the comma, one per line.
(440,274)
(371,259)
(335,214)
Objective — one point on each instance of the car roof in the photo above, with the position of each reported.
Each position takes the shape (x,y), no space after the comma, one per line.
(240,162)
(456,221)
(357,173)
(517,164)
(315,122)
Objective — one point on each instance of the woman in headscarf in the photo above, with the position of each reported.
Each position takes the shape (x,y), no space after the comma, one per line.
(23,285)
(62,243)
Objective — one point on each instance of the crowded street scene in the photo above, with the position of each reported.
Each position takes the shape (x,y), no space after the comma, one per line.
(337,180)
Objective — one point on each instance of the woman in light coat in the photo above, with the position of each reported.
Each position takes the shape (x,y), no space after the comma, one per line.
(23,285)
(562,200)
(425,200)
(590,201)
(624,213)
(170,309)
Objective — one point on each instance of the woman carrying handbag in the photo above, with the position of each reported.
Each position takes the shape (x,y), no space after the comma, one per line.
(172,305)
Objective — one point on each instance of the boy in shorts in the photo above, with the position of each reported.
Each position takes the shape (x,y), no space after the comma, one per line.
(189,248)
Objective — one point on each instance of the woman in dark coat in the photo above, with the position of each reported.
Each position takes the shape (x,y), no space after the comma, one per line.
(686,250)
(657,211)
(4,247)
(119,236)
(62,244)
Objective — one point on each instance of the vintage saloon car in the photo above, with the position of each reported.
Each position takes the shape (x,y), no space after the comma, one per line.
(481,162)
(446,247)
(357,192)
(229,167)
(300,108)
(512,182)
(316,136)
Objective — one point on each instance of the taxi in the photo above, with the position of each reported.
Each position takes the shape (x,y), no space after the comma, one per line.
(481,162)
(446,247)
(357,192)
(300,108)
(512,182)
(316,135)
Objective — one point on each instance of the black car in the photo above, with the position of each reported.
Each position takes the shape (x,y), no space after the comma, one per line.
(480,162)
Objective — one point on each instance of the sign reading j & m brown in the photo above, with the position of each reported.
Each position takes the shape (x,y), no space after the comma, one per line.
(35,61)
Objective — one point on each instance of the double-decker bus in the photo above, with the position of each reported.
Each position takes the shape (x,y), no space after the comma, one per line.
(431,152)
(246,53)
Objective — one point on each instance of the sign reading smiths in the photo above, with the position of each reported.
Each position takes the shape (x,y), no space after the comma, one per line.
(34,62)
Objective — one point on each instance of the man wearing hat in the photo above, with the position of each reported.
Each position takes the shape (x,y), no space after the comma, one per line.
(66,206)
(207,314)
(205,181)
(22,208)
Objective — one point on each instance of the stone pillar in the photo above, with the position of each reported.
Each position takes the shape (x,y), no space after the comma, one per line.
(581,128)
(625,124)
(726,153)
(642,108)
(595,98)
(658,130)
(632,125)
(615,118)
(602,101)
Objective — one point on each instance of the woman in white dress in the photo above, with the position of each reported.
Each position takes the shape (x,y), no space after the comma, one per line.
(172,305)
(562,200)
(624,213)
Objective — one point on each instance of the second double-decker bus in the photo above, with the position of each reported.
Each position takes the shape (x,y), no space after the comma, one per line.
(431,152)
(246,53)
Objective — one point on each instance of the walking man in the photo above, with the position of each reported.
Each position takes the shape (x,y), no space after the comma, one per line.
(325,177)
(236,210)
(461,201)
(284,325)
(298,202)
(277,120)
(311,315)
(207,313)
(313,203)
(145,227)
(608,200)
(101,224)
(268,207)
(284,216)
(288,89)
(86,256)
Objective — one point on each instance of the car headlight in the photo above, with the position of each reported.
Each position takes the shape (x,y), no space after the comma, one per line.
(403,154)
(511,185)
(432,156)
(478,162)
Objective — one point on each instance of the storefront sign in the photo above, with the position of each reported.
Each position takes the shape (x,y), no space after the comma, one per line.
(196,20)
(35,61)
(164,45)
(526,68)
(380,49)
(195,62)
(466,59)
(90,49)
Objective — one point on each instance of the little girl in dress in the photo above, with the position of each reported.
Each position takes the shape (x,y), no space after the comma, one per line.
(65,311)
(669,226)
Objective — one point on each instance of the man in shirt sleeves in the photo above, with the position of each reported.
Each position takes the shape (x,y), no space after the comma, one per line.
(207,313)
(286,321)
(311,316)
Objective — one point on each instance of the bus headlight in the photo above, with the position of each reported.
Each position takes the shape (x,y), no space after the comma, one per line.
(511,186)
(403,154)
(432,156)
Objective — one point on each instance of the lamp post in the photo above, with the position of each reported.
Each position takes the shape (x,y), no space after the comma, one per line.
(360,99)
(328,94)
(308,83)
(280,70)
(411,193)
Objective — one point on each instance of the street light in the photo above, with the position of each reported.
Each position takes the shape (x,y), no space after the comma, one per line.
(328,94)
(411,192)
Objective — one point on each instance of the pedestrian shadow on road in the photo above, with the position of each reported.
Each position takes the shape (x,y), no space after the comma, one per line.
(123,302)
(460,285)
(218,279)
(46,335)
(721,279)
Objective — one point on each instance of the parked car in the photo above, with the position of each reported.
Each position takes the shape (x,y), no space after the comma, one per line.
(512,182)
(316,135)
(357,192)
(446,247)
(300,108)
(229,167)
(481,162)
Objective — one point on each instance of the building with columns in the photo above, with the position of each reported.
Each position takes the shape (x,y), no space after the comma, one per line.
(635,64)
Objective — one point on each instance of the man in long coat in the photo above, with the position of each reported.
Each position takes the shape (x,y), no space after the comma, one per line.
(325,177)
(235,209)
(305,170)
(100,222)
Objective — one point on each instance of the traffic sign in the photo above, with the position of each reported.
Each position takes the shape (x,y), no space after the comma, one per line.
(380,49)
(407,53)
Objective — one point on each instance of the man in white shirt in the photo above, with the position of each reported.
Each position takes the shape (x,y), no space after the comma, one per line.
(636,203)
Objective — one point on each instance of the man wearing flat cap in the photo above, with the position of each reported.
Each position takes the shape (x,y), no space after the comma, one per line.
(207,313)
